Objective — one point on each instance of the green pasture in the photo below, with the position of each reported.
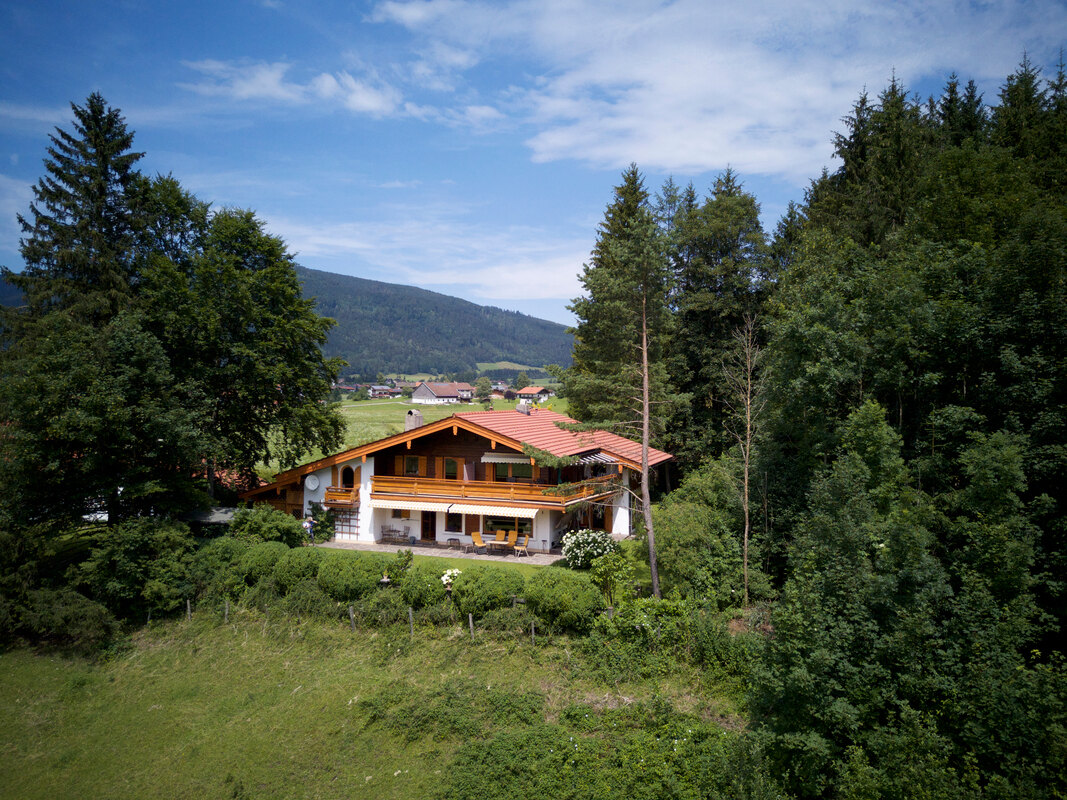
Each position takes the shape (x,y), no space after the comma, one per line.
(266,706)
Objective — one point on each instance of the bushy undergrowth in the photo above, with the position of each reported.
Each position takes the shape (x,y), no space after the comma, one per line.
(261,523)
(479,589)
(566,600)
(640,751)
(68,620)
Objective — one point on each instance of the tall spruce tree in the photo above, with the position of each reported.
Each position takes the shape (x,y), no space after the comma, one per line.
(617,374)
(720,259)
(79,240)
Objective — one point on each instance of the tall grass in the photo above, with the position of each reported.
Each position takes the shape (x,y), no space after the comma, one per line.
(268,707)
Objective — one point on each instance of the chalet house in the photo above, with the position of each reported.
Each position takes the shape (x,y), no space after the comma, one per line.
(384,391)
(439,393)
(535,394)
(476,471)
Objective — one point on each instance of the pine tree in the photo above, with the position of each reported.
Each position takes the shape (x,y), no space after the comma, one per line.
(717,283)
(617,373)
(79,240)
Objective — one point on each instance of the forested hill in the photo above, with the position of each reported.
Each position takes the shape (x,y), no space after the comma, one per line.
(385,327)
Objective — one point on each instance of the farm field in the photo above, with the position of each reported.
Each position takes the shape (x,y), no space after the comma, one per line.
(267,706)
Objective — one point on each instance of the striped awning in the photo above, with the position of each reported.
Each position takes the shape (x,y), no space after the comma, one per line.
(504,458)
(457,508)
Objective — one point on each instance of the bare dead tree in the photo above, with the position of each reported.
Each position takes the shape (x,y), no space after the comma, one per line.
(745,401)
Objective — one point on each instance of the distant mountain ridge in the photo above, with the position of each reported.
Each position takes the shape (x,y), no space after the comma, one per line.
(387,327)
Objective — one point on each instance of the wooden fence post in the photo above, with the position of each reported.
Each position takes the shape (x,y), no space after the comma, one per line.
(352,618)
(533,637)
(411,621)
(470,621)
(226,612)
(188,610)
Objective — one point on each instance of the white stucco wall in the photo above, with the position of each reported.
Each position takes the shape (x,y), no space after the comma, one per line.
(620,511)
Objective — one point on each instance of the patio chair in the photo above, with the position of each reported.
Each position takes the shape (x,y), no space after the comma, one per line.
(512,536)
(520,549)
(479,545)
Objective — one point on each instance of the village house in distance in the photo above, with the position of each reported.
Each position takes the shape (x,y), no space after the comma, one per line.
(473,472)
(439,393)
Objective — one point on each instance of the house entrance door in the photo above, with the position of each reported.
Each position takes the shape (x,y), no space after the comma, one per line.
(429,526)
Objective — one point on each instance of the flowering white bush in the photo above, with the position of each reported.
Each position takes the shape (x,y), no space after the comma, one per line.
(581,547)
(449,576)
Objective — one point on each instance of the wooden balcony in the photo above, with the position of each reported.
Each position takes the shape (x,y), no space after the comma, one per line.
(341,497)
(542,495)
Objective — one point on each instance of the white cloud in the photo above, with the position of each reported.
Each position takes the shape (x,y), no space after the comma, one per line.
(692,85)
(246,81)
(430,247)
(15,198)
(366,94)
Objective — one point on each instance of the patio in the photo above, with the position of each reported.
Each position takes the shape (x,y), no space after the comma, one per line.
(440,551)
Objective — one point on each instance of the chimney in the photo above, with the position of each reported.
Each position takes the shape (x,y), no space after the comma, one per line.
(523,408)
(413,420)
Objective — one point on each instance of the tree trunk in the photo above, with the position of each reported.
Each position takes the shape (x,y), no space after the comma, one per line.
(646,495)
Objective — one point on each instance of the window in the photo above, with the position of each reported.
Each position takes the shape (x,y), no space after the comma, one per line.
(504,472)
(454,523)
(399,513)
(451,469)
(411,465)
(493,524)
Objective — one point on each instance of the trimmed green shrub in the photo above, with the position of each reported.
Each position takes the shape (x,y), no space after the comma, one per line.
(349,576)
(258,561)
(299,564)
(581,547)
(422,585)
(567,601)
(261,523)
(216,569)
(481,589)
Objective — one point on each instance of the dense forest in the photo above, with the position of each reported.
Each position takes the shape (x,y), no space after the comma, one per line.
(387,328)
(870,404)
(868,407)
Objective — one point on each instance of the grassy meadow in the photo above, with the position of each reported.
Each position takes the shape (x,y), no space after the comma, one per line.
(268,706)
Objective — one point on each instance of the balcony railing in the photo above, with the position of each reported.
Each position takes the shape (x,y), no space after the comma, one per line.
(341,496)
(491,490)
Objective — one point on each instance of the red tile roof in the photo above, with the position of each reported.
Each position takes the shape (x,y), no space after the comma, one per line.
(539,429)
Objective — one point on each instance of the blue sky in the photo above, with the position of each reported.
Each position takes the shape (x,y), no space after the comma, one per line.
(470,147)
